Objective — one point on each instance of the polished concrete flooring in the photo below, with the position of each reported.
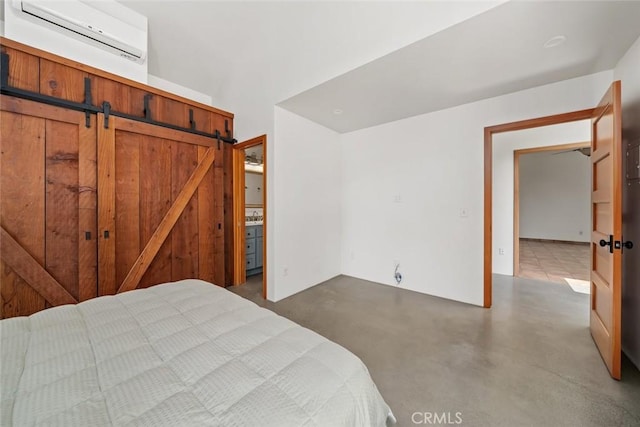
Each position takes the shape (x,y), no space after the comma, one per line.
(554,261)
(528,361)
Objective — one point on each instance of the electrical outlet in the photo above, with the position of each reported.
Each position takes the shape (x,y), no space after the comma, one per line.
(397,198)
(352,255)
(500,251)
(464,212)
(285,271)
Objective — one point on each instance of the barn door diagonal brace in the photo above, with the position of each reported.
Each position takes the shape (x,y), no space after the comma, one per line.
(30,270)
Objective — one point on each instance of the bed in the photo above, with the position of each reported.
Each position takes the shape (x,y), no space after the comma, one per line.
(183,353)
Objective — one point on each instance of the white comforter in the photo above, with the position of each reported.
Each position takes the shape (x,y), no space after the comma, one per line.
(184,353)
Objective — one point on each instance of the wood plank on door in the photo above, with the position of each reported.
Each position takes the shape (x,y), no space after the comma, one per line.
(61,188)
(106,207)
(155,201)
(184,236)
(87,212)
(127,202)
(22,185)
(206,224)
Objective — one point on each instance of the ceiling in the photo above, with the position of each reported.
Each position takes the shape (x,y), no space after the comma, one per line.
(497,52)
(250,55)
(418,56)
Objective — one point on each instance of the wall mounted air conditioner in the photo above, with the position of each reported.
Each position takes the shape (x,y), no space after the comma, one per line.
(86,22)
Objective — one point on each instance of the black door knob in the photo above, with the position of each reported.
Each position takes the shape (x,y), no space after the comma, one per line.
(604,243)
(628,244)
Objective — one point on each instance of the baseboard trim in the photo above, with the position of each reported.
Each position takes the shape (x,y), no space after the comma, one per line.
(554,241)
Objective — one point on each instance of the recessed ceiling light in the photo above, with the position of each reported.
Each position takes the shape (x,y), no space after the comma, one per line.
(337,111)
(555,41)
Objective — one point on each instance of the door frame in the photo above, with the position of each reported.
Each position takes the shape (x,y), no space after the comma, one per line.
(489,131)
(516,191)
(239,266)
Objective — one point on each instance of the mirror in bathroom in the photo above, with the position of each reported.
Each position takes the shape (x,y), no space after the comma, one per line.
(253,168)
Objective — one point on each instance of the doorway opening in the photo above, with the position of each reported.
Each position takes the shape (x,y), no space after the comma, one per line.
(552,215)
(250,213)
(489,134)
(606,243)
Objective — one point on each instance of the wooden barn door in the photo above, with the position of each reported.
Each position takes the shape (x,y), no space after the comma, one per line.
(157,206)
(47,207)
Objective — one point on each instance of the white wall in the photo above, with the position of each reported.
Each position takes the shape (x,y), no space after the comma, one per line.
(305,212)
(29,30)
(628,71)
(555,195)
(434,163)
(360,33)
(504,145)
(177,89)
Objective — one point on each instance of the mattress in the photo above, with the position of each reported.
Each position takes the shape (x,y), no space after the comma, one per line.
(183,353)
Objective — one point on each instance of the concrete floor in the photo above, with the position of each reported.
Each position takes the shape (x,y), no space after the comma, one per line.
(528,361)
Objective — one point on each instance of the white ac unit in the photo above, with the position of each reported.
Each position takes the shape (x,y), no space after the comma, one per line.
(83,21)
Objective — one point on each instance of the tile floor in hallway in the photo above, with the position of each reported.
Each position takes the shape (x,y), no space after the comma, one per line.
(554,261)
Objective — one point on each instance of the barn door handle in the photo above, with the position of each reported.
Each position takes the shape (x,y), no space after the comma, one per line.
(604,243)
